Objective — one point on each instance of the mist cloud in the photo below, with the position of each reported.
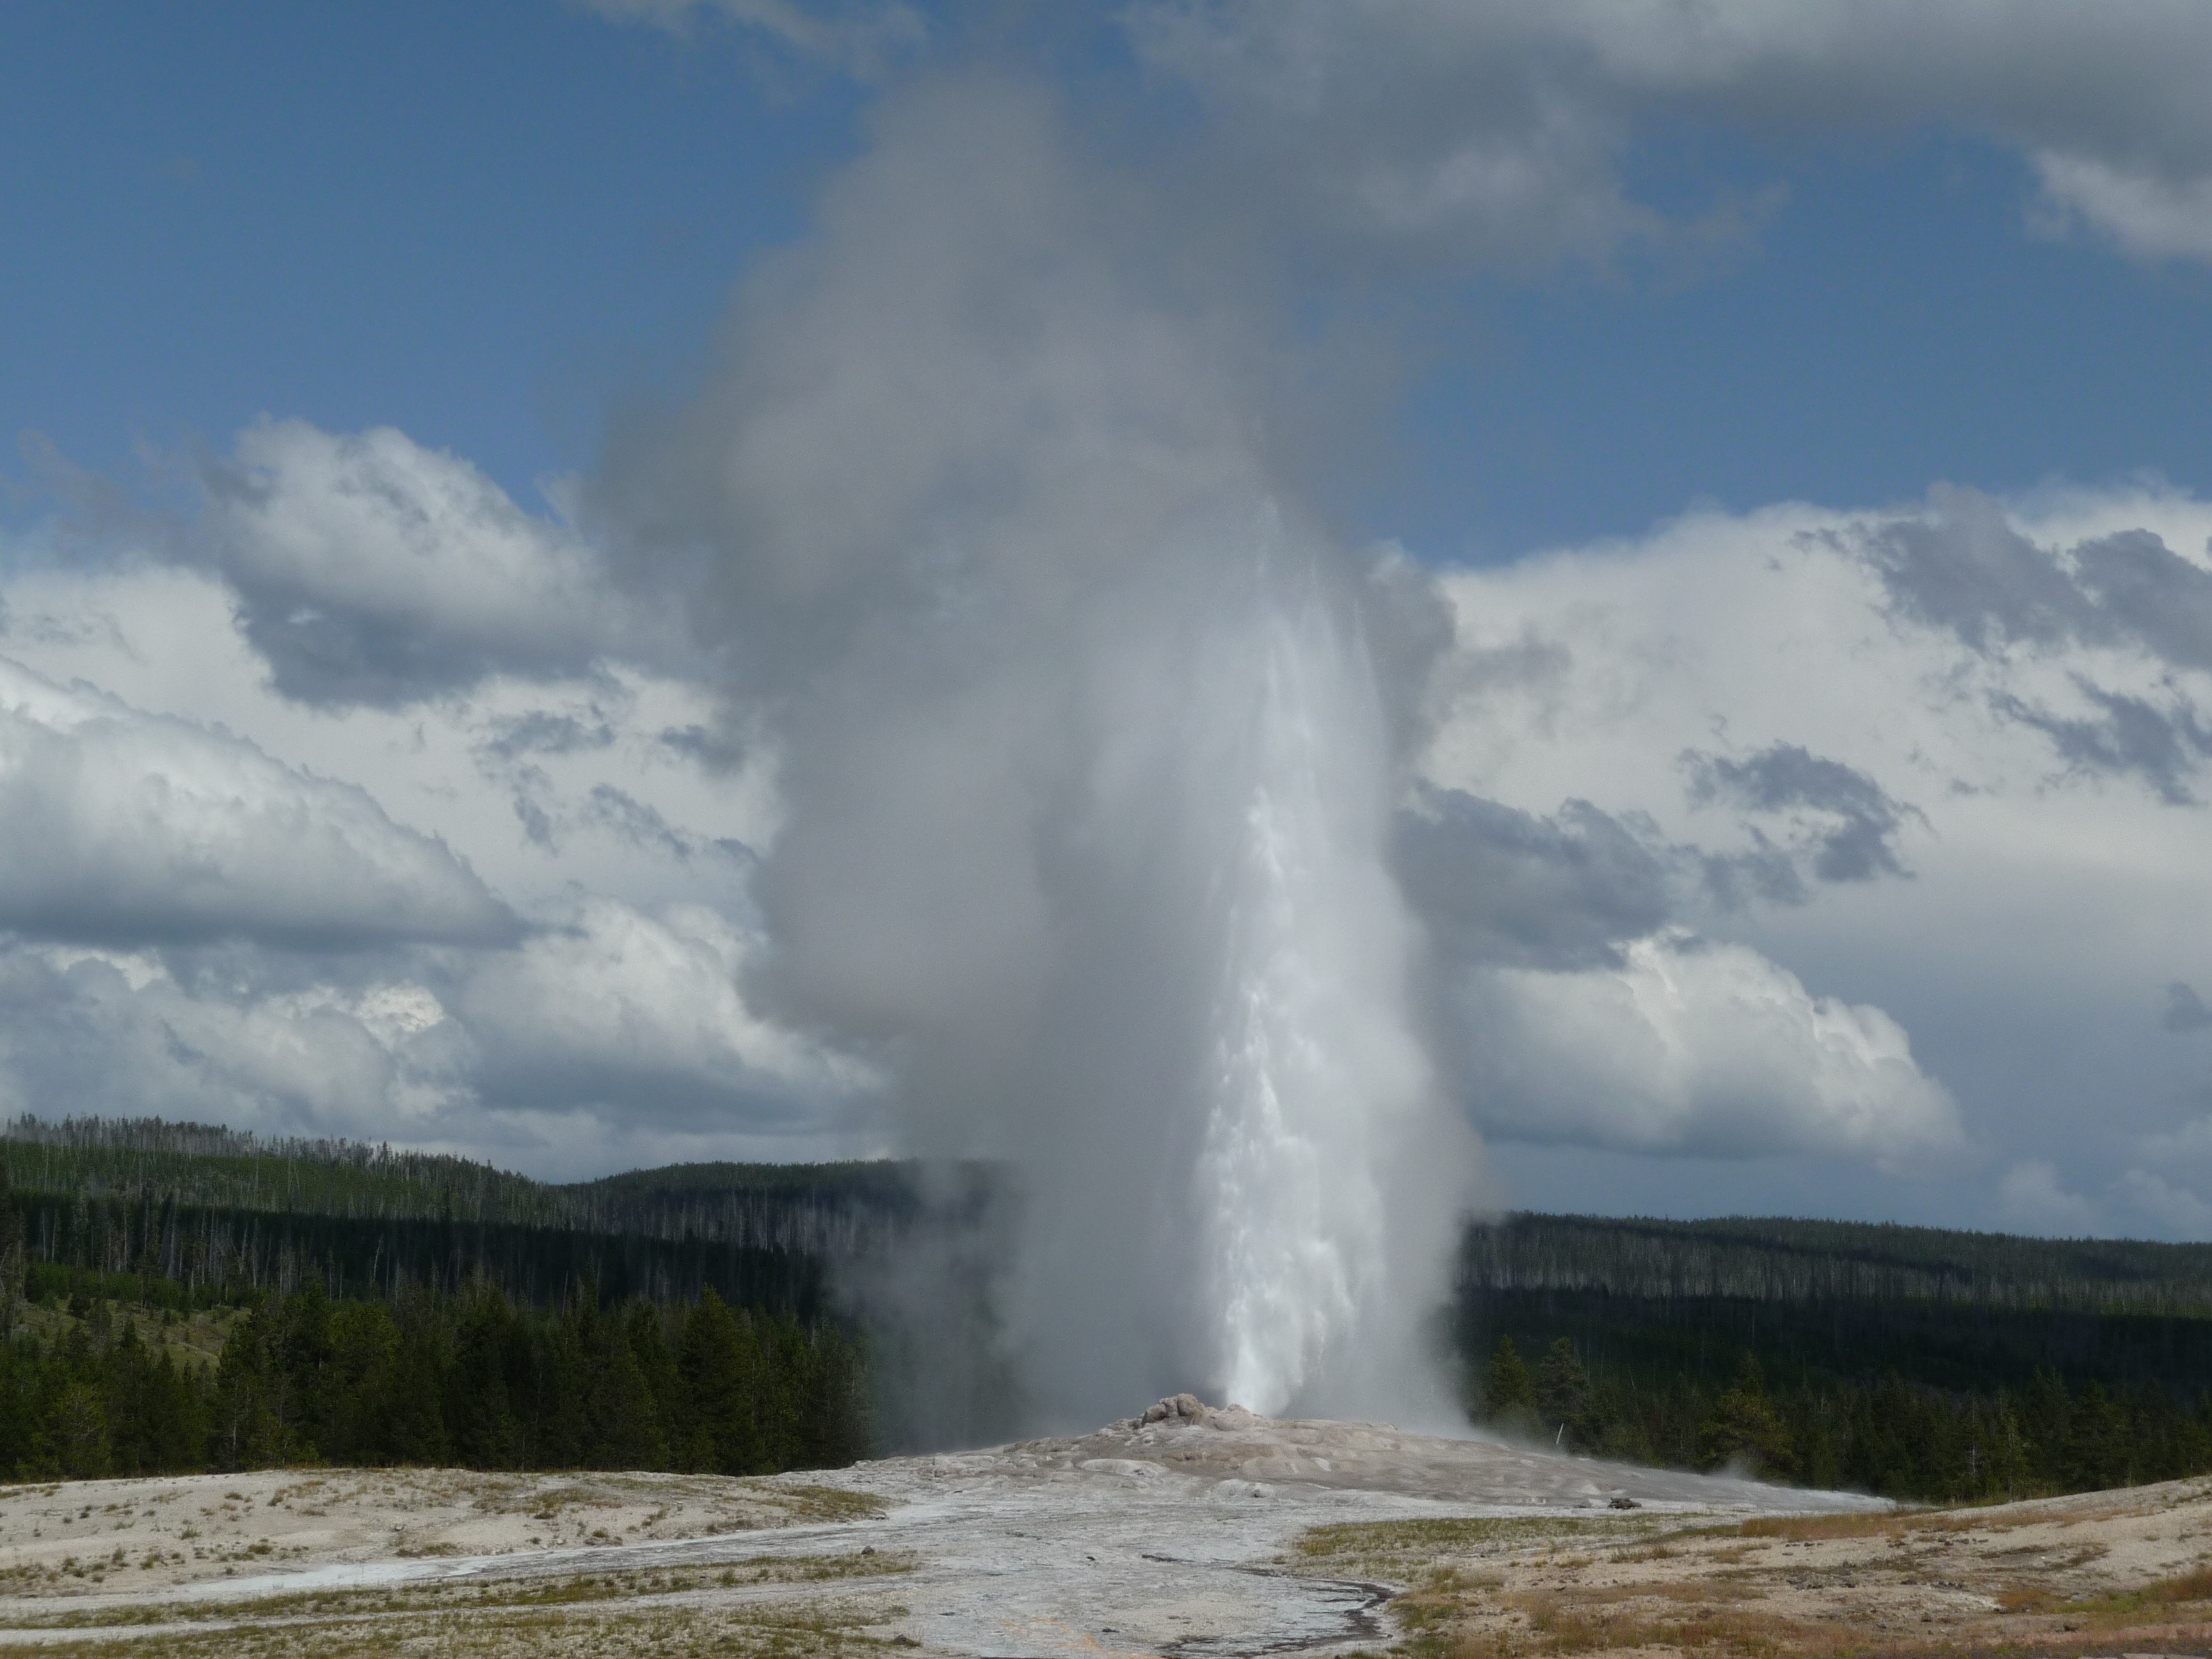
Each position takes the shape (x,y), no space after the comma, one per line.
(1085,767)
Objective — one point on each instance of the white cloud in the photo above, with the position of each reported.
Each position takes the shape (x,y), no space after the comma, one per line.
(2031,1197)
(646,1014)
(1690,1047)
(2170,1209)
(94,1033)
(2137,1203)
(477,769)
(136,828)
(371,569)
(2149,217)
(619,1030)
(2011,695)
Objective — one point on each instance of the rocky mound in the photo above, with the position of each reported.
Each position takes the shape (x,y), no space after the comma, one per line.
(1181,1435)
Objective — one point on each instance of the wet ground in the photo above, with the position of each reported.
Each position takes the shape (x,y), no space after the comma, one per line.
(1175,1537)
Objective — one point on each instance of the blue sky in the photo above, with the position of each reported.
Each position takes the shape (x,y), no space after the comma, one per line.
(700,578)
(479,224)
(485,226)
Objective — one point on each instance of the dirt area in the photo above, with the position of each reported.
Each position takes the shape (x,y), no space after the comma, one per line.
(128,1538)
(1201,1535)
(2103,1573)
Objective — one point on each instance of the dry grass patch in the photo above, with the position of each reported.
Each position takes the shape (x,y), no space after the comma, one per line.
(491,1594)
(725,1630)
(1379,1546)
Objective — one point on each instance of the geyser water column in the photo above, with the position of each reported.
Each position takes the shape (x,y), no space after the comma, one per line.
(1085,766)
(1318,1086)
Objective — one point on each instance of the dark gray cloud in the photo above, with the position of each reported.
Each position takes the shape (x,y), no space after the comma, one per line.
(1496,886)
(2185,1009)
(2162,747)
(1766,871)
(1965,569)
(542,732)
(1847,820)
(645,827)
(2151,591)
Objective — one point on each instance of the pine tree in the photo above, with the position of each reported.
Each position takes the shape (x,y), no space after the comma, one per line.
(14,1263)
(1510,1385)
(721,1363)
(1745,1426)
(1563,1394)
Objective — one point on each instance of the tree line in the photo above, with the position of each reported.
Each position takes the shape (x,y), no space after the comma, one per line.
(1777,1258)
(470,1376)
(472,1380)
(1883,1435)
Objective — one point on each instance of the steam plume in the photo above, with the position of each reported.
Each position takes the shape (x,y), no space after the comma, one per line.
(1086,764)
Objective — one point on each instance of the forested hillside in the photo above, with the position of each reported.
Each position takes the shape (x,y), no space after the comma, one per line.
(174,1297)
(1908,1361)
(222,1214)
(1765,1259)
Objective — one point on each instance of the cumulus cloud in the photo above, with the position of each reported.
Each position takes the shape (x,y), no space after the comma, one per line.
(132,828)
(1963,565)
(1983,689)
(369,569)
(2138,1202)
(2032,1198)
(2109,602)
(642,1016)
(616,1028)
(120,1034)
(1497,127)
(1692,1046)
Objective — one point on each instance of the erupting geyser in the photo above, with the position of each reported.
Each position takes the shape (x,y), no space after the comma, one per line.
(1318,1082)
(1086,766)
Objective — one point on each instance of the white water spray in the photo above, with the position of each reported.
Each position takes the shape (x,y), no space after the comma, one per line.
(1318,1078)
(1087,773)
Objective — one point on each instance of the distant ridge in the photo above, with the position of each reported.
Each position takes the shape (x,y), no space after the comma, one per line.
(1779,1260)
(212,1207)
(827,1213)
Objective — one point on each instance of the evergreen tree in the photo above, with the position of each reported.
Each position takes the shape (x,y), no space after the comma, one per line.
(720,1360)
(485,1431)
(1510,1394)
(72,1442)
(14,1262)
(1746,1426)
(620,1412)
(1563,1395)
